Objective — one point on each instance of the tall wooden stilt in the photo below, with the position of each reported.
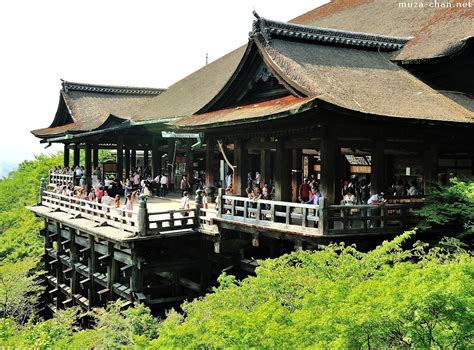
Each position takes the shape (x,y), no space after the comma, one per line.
(146,160)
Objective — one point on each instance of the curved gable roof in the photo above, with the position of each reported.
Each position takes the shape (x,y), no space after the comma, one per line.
(436,31)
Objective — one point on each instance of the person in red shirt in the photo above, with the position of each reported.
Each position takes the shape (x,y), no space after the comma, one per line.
(303,192)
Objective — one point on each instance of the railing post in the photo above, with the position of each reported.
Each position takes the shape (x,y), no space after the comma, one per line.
(198,203)
(41,190)
(323,222)
(220,200)
(142,216)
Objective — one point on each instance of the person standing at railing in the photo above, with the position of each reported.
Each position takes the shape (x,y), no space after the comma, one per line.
(349,199)
(376,200)
(105,198)
(129,205)
(127,188)
(304,191)
(315,196)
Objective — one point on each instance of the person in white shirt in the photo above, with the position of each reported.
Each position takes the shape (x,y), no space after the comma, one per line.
(185,205)
(413,190)
(106,198)
(164,185)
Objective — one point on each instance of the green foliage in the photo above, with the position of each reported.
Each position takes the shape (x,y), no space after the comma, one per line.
(337,297)
(18,290)
(451,205)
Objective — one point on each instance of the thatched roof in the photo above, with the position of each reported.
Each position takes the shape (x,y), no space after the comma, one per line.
(436,31)
(85,107)
(359,80)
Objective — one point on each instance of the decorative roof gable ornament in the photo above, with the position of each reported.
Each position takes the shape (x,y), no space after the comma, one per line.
(268,29)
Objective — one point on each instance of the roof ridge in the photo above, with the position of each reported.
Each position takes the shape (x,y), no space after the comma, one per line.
(269,29)
(109,89)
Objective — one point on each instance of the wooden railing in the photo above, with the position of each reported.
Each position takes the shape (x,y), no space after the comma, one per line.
(388,218)
(311,219)
(60,179)
(123,219)
(171,220)
(268,213)
(142,222)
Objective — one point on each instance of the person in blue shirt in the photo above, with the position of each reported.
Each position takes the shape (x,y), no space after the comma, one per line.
(315,196)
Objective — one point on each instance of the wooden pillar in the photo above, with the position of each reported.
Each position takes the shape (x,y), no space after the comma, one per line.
(189,164)
(134,158)
(95,156)
(88,163)
(146,161)
(265,166)
(92,264)
(242,166)
(282,171)
(171,161)
(377,176)
(296,172)
(330,153)
(119,174)
(127,161)
(430,166)
(66,155)
(156,157)
(210,145)
(77,155)
(136,277)
(111,270)
(74,256)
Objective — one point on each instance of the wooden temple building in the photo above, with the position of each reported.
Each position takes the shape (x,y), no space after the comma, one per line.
(352,88)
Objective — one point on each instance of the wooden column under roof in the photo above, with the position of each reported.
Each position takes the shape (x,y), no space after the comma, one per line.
(430,166)
(66,155)
(95,156)
(119,174)
(330,152)
(281,173)
(88,164)
(296,172)
(77,155)
(127,160)
(156,155)
(171,161)
(146,161)
(133,157)
(265,166)
(377,176)
(210,145)
(241,163)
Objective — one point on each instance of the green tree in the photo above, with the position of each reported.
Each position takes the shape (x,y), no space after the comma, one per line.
(450,206)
